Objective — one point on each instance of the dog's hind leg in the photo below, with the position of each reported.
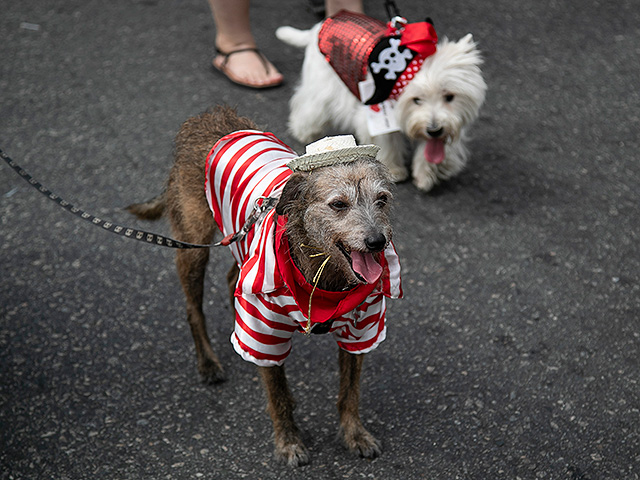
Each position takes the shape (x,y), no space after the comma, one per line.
(191,221)
(280,405)
(191,270)
(356,438)
(191,265)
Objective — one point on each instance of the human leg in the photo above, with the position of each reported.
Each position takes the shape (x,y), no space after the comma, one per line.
(238,57)
(334,6)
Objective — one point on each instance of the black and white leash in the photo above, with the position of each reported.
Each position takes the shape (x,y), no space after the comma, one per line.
(262,206)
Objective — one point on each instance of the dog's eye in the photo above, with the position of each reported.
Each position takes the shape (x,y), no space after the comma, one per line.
(339,205)
(382,200)
(449,97)
(417,101)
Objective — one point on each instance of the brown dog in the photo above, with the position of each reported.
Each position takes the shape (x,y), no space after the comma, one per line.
(331,223)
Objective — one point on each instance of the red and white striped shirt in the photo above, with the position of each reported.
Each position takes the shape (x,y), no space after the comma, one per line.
(272,296)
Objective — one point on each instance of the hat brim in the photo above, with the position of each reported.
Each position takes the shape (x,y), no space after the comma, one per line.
(312,161)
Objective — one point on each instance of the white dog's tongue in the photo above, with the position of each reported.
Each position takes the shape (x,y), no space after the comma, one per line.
(366,266)
(434,151)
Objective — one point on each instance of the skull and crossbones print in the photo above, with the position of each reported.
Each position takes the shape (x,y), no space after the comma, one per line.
(392,59)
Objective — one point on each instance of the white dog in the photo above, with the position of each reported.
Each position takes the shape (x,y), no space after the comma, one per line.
(433,110)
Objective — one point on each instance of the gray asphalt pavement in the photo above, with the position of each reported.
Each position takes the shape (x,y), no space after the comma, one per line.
(514,354)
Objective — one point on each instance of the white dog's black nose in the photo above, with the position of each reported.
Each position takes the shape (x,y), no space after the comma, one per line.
(435,132)
(375,242)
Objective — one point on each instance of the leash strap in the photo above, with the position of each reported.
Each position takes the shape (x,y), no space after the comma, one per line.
(260,209)
(392,9)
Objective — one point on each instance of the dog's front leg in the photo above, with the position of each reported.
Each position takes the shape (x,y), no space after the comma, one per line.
(280,405)
(392,147)
(392,150)
(355,436)
(425,174)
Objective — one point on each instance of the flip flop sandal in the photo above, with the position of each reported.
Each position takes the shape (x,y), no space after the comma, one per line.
(224,70)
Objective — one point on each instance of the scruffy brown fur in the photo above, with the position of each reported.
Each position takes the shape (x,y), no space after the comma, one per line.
(336,209)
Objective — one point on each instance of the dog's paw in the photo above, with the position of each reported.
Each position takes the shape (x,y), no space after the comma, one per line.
(398,174)
(211,372)
(359,441)
(293,454)
(424,184)
(425,179)
(302,132)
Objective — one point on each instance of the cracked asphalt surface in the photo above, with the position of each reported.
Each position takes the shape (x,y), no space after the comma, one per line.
(514,354)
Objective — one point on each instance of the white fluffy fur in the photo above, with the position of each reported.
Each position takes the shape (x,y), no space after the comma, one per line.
(322,103)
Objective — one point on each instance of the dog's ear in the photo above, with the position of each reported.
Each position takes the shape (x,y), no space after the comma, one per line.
(293,190)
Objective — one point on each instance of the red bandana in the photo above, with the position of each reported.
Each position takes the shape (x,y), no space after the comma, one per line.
(326,305)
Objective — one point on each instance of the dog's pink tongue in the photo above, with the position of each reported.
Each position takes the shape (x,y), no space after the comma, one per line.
(434,151)
(365,265)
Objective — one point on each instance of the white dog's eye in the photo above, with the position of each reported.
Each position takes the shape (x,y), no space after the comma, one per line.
(449,97)
(417,101)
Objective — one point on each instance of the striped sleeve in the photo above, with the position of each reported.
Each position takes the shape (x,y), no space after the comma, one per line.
(391,281)
(364,328)
(264,327)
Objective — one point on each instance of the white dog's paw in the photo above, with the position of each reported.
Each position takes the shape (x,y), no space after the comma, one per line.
(301,134)
(425,180)
(398,174)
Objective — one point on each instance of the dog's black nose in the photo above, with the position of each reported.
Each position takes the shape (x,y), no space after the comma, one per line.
(435,132)
(375,242)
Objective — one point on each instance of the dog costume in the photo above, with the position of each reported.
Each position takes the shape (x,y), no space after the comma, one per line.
(271,295)
(354,43)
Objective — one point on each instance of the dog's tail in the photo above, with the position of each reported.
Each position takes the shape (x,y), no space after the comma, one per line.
(295,37)
(151,209)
